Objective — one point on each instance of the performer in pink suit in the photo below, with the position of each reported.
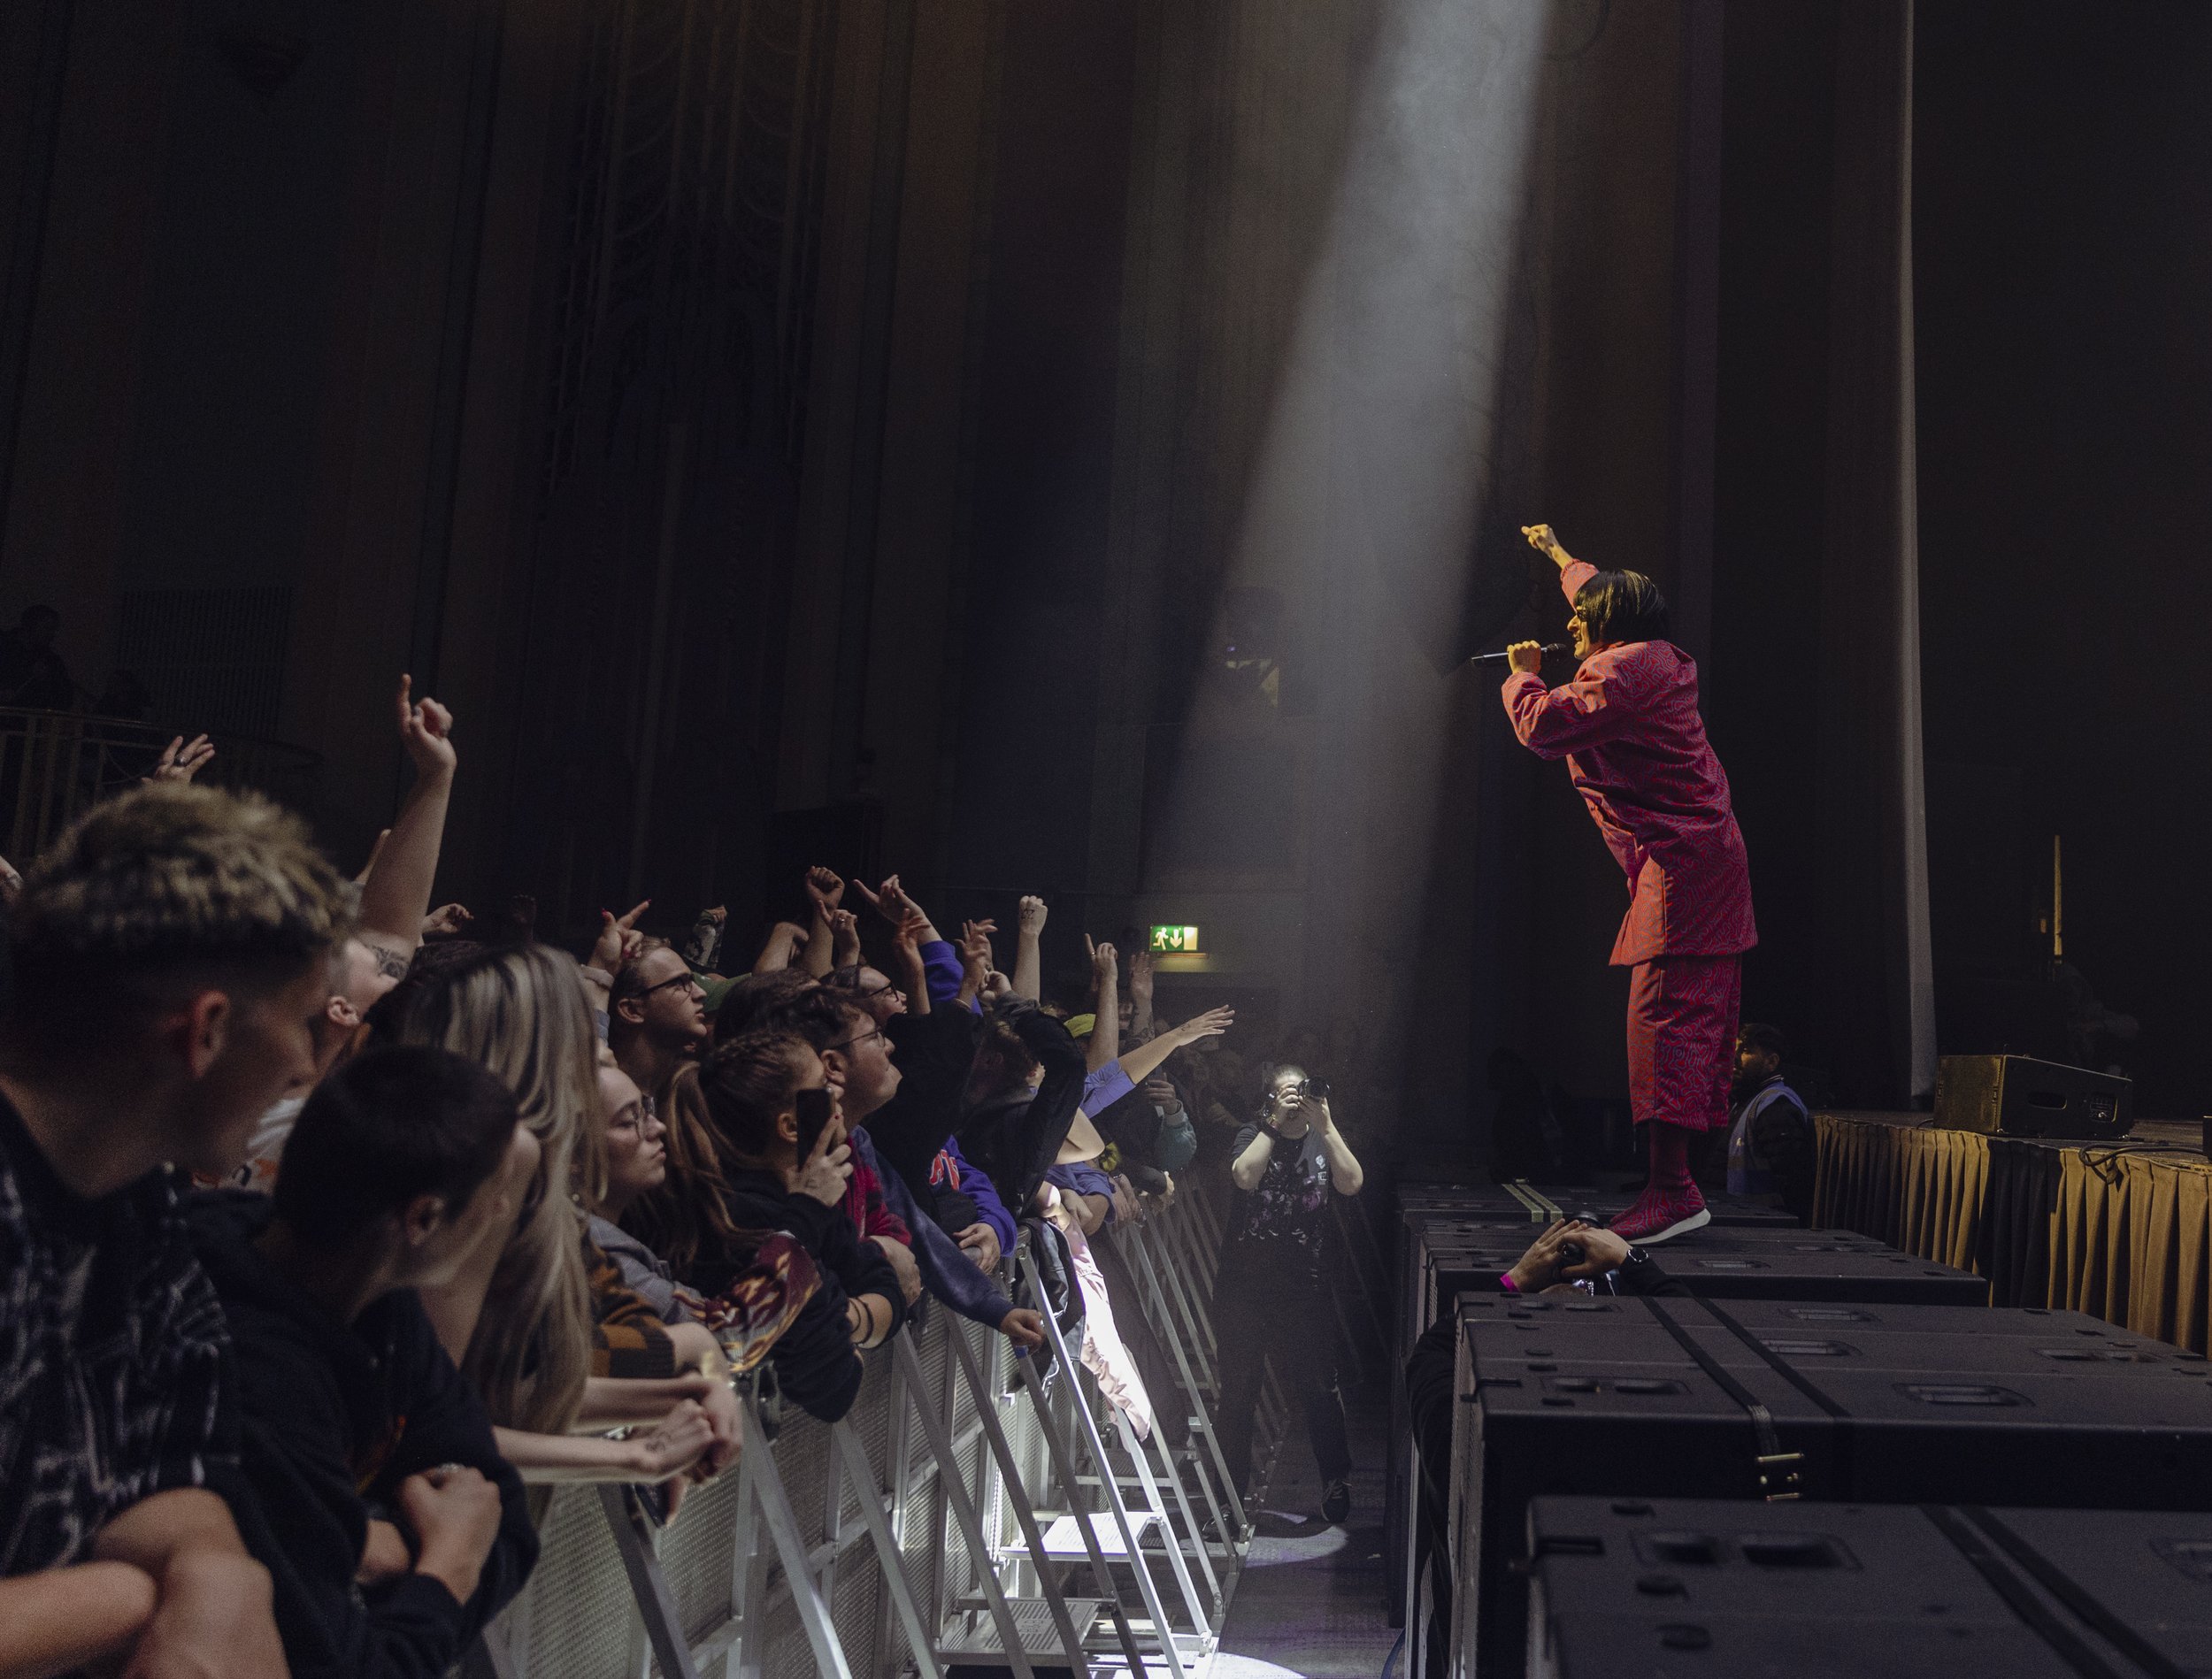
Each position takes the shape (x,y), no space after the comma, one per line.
(1635,746)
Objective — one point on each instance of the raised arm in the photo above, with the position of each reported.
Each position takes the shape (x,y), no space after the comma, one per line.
(1574,573)
(1028,941)
(1105,1044)
(827,892)
(396,895)
(1140,995)
(975,959)
(1141,1062)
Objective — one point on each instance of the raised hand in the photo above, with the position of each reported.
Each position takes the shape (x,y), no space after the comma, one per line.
(1103,960)
(975,947)
(1541,539)
(446,920)
(1032,913)
(1524,658)
(1212,1024)
(912,932)
(1140,977)
(828,891)
(889,900)
(844,938)
(615,934)
(180,762)
(425,729)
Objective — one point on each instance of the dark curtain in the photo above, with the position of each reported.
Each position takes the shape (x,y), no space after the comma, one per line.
(1872,830)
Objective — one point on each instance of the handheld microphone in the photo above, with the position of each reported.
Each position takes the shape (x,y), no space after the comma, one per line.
(1499,658)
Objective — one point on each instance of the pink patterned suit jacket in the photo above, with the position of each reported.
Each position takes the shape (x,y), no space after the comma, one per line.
(1635,746)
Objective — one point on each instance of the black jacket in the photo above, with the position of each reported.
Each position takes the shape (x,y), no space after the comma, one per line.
(1014,1142)
(335,1416)
(815,1363)
(934,1052)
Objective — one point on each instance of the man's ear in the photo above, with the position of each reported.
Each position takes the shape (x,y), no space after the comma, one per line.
(198,1032)
(788,1126)
(421,1218)
(341,1013)
(632,1010)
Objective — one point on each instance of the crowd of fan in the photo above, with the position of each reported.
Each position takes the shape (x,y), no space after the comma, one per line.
(332,1226)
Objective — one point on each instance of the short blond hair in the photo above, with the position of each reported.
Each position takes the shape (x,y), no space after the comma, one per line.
(168,885)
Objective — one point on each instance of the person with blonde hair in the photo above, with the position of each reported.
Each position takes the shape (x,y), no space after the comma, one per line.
(520,1317)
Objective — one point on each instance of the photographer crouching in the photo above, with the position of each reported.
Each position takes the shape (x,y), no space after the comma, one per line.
(1271,1297)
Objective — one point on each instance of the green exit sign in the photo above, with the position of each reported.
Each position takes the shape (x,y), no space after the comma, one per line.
(1175,941)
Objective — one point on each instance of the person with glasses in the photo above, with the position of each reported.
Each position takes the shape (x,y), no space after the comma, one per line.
(656,1018)
(857,1061)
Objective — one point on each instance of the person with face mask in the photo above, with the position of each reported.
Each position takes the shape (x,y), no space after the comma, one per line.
(1629,728)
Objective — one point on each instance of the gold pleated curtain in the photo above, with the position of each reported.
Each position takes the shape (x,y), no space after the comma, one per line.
(2122,1232)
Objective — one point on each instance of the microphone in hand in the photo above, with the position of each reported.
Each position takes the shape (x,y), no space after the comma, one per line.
(1500,658)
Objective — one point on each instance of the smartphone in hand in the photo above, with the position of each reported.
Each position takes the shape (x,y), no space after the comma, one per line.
(812,1109)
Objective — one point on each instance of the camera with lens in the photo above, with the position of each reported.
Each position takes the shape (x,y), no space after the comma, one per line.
(1315,1089)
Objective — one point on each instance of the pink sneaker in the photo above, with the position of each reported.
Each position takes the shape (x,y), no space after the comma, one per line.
(1660,1215)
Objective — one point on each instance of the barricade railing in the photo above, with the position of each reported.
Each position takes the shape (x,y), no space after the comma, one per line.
(973,1508)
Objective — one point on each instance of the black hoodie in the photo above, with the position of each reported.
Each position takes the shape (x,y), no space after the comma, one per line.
(815,1363)
(335,1416)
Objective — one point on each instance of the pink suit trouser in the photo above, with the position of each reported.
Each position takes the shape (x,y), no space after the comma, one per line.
(1682,1017)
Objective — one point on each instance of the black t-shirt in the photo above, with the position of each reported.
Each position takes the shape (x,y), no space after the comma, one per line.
(1285,1221)
(111,1356)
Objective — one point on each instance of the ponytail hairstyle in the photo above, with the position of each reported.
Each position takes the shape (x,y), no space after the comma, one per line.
(748,1083)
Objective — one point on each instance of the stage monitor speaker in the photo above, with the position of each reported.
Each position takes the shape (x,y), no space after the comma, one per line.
(1621,1586)
(2019,1097)
(1857,1416)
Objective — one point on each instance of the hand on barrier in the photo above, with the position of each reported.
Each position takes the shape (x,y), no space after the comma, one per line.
(901,1258)
(1023,1327)
(726,1419)
(979,1243)
(671,1449)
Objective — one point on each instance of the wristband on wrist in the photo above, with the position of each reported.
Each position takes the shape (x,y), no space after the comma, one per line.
(1507,1285)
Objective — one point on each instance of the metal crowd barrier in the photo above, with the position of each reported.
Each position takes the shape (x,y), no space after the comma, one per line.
(968,1511)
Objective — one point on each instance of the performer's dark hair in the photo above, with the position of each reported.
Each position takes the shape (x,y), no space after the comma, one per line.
(1622,606)
(1767,1040)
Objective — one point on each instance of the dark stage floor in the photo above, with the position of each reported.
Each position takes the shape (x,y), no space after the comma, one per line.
(1310,1599)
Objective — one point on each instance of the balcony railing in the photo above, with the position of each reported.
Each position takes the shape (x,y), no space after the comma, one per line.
(54,764)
